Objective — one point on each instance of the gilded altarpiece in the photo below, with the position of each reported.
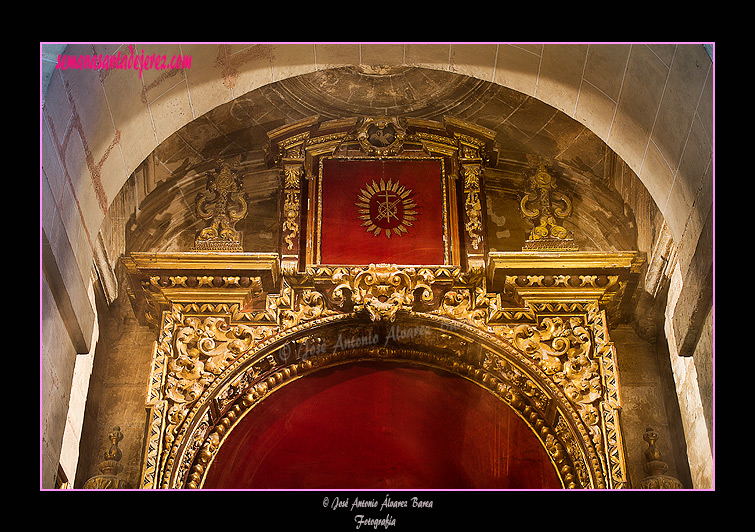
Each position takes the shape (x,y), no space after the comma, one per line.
(530,326)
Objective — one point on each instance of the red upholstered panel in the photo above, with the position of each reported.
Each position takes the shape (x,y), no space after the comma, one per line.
(413,202)
(381,425)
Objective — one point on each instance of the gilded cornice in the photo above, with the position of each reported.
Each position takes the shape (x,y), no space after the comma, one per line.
(534,278)
(234,279)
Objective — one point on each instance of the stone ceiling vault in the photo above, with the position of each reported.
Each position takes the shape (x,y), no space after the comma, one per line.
(524,126)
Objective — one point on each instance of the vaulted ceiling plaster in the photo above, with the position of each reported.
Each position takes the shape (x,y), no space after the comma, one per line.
(524,126)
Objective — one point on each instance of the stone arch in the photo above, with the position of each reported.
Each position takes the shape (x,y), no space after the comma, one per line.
(461,349)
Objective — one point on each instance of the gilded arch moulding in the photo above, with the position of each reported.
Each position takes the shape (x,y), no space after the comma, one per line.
(547,356)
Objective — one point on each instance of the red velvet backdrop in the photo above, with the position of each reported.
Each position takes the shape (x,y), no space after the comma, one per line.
(344,240)
(381,425)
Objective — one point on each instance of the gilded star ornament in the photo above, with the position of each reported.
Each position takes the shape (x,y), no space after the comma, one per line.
(386,208)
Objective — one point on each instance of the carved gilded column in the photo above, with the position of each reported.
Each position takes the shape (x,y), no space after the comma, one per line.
(473,221)
(292,174)
(474,154)
(286,151)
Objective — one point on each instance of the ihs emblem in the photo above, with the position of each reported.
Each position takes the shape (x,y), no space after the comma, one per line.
(386,208)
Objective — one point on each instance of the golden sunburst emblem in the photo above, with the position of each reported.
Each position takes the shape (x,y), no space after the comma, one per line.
(386,208)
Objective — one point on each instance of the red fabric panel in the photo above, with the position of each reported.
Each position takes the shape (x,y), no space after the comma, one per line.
(344,238)
(380,425)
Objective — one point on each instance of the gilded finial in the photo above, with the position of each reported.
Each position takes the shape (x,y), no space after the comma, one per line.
(542,205)
(223,204)
(110,466)
(655,467)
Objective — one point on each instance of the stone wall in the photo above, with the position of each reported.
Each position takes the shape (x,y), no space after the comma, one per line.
(117,394)
(57,367)
(648,400)
(693,377)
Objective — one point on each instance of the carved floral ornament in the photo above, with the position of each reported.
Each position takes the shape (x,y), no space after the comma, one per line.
(549,359)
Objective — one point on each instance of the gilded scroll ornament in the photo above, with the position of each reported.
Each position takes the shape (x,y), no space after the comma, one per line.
(223,204)
(203,348)
(300,306)
(542,204)
(468,304)
(563,348)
